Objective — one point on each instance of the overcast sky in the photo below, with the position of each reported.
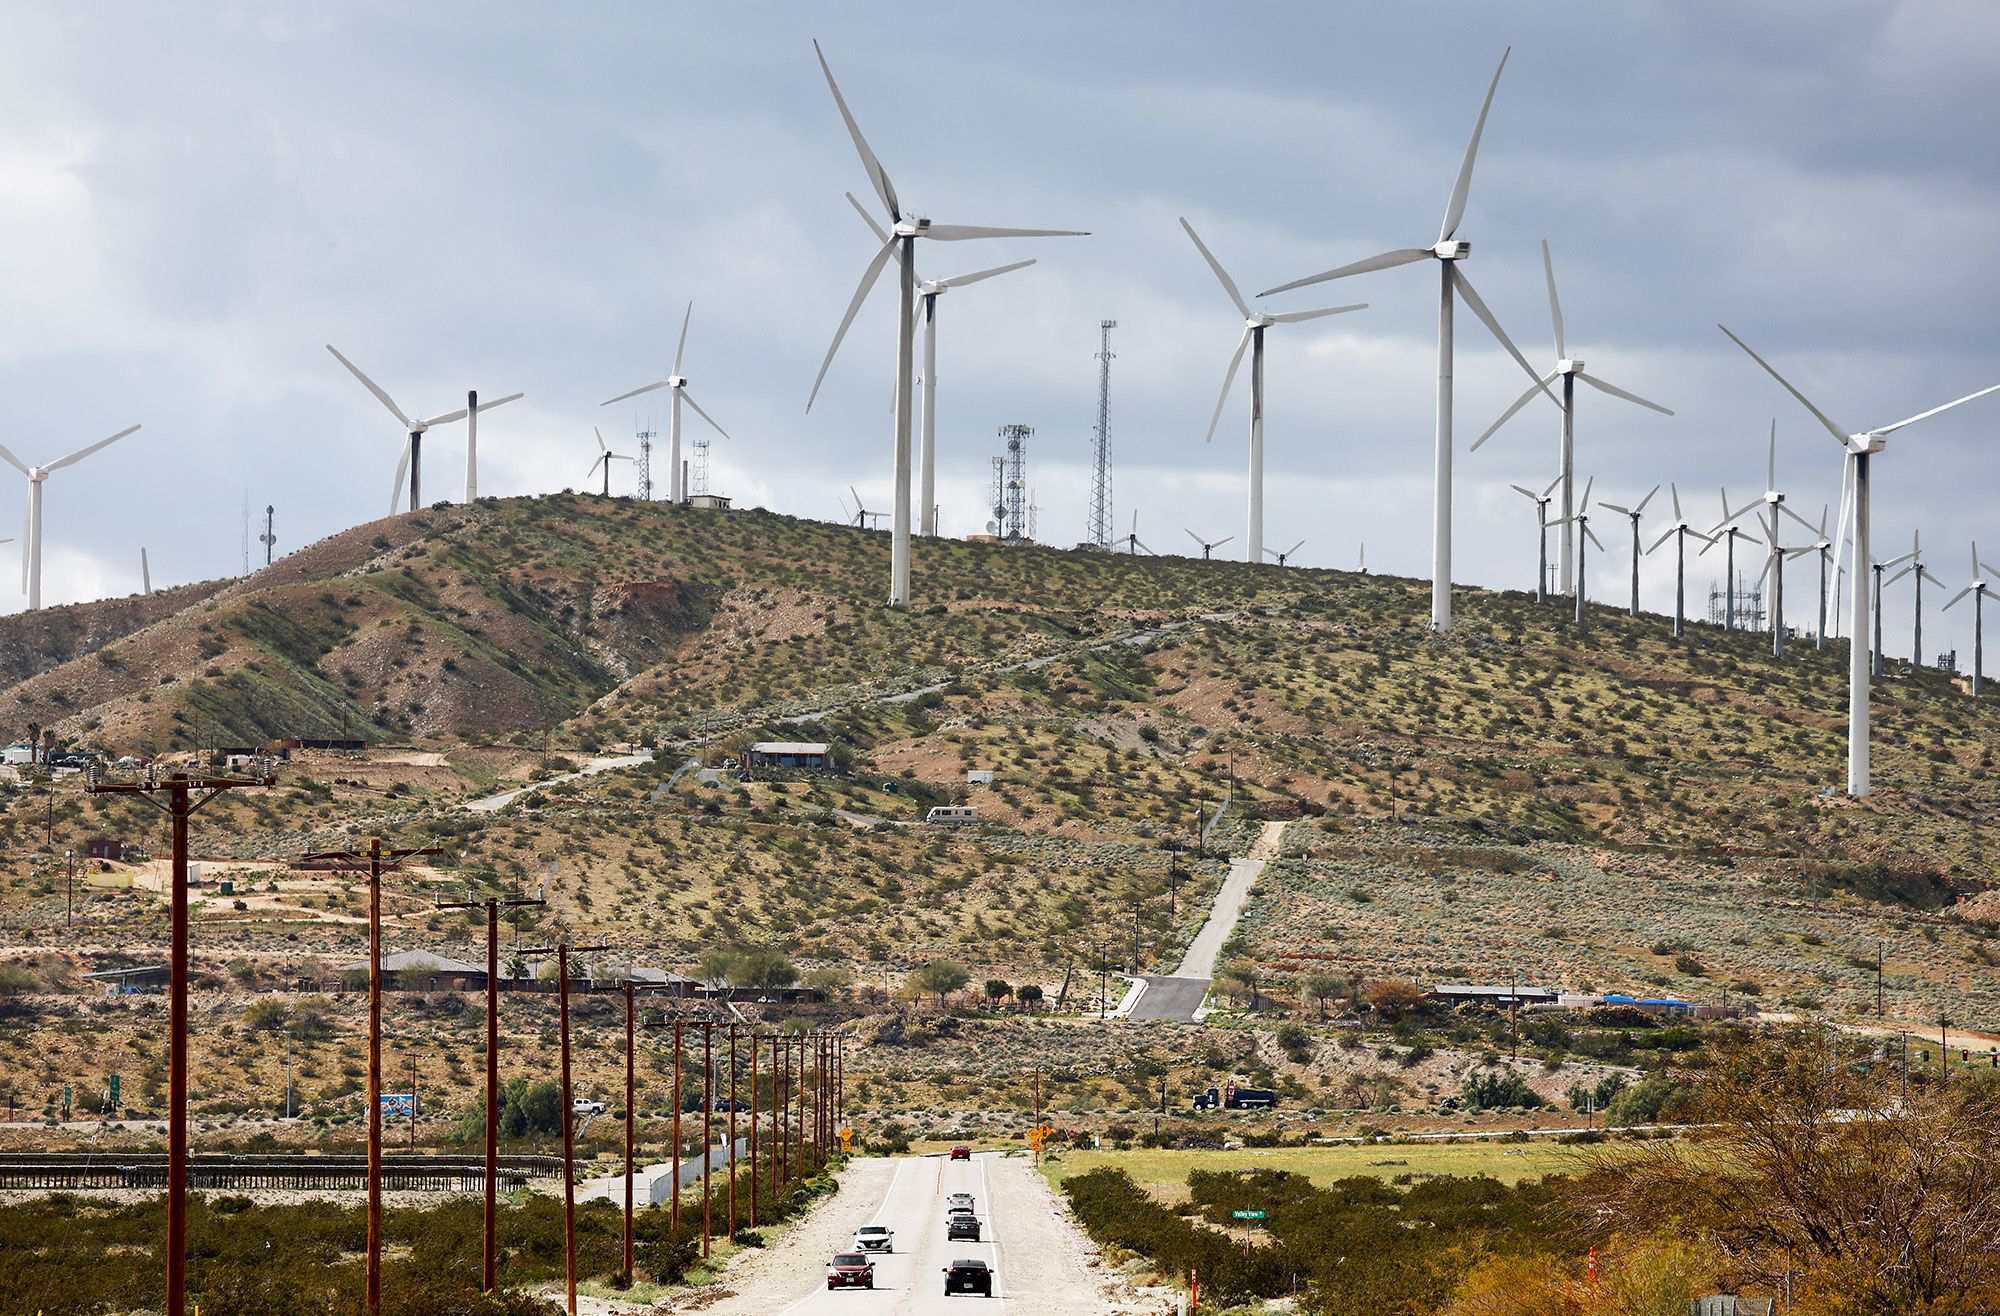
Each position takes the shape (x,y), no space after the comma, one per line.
(193,199)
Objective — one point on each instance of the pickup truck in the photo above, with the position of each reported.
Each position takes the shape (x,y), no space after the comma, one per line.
(874,1238)
(585,1106)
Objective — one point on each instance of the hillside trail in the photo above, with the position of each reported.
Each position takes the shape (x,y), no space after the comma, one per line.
(1180,996)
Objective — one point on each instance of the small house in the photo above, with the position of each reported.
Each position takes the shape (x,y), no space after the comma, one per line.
(809,754)
(421,970)
(709,502)
(103,847)
(1501,995)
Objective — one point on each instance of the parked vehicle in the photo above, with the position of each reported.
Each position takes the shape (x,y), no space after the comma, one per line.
(1232,1097)
(952,815)
(962,1227)
(961,1153)
(850,1270)
(585,1106)
(968,1275)
(874,1238)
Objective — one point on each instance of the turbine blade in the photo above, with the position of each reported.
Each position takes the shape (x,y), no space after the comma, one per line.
(7,456)
(1956,597)
(1472,299)
(1617,392)
(962,280)
(1555,303)
(500,402)
(1552,485)
(1195,537)
(1896,561)
(1926,415)
(602,458)
(372,386)
(602,446)
(964,232)
(689,399)
(1674,490)
(1613,507)
(81,453)
(1818,415)
(658,383)
(1671,531)
(1455,210)
(1593,536)
(881,234)
(1647,499)
(868,277)
(1295,548)
(1387,260)
(876,174)
(1300,317)
(1526,493)
(1224,540)
(402,470)
(1890,580)
(1787,511)
(1228,284)
(447,418)
(681,349)
(1583,503)
(1228,378)
(1539,386)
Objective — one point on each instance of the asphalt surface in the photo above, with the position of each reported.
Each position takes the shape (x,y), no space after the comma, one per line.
(1171,999)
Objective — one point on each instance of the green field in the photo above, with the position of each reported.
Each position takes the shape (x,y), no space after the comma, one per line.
(1165,1172)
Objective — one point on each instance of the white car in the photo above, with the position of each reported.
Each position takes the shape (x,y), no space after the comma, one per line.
(959,1199)
(874,1238)
(585,1106)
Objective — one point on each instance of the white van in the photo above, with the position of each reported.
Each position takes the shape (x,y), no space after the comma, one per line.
(952,815)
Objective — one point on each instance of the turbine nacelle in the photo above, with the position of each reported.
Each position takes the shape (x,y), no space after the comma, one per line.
(910,228)
(1861,445)
(1452,249)
(1569,366)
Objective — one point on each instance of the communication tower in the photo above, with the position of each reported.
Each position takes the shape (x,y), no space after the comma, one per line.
(646,437)
(1100,479)
(1010,486)
(699,481)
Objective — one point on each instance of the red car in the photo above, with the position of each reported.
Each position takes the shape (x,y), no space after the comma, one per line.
(961,1153)
(850,1270)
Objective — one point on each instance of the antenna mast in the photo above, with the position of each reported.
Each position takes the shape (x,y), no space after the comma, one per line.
(646,437)
(246,532)
(1010,485)
(269,537)
(1100,480)
(698,482)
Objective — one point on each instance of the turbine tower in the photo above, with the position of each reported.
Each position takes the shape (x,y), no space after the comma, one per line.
(1633,513)
(1823,547)
(904,230)
(1208,547)
(1774,568)
(31,531)
(677,382)
(1448,251)
(1272,552)
(1581,518)
(1859,447)
(1730,534)
(412,460)
(1678,532)
(1541,501)
(1922,573)
(604,458)
(1100,472)
(1569,371)
(1977,589)
(1254,325)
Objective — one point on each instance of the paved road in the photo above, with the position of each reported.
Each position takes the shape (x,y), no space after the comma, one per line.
(1042,1265)
(495,803)
(1171,998)
(1180,996)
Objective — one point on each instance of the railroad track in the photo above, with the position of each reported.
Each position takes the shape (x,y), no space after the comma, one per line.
(66,1170)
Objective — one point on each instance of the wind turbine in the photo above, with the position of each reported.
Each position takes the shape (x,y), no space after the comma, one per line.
(1287,553)
(1977,589)
(413,457)
(1678,532)
(1361,562)
(861,512)
(678,383)
(1581,518)
(1541,501)
(1730,533)
(31,524)
(1859,448)
(1878,568)
(1208,549)
(145,571)
(1132,541)
(1448,251)
(604,458)
(930,290)
(1823,546)
(1916,568)
(904,230)
(1774,506)
(1633,512)
(1569,371)
(1254,325)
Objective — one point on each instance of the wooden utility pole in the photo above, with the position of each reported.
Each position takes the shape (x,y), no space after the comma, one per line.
(376,856)
(753,1128)
(180,805)
(805,1133)
(707,1124)
(562,950)
(489,1251)
(631,1122)
(780,1151)
(674,1209)
(732,1131)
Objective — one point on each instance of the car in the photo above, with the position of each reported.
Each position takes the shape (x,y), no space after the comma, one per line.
(874,1238)
(959,1199)
(585,1106)
(968,1276)
(961,1227)
(850,1270)
(961,1153)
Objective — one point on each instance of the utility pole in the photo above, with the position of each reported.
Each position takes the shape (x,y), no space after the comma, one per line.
(69,867)
(674,1206)
(732,1132)
(753,1128)
(413,1103)
(707,1124)
(180,805)
(375,856)
(631,1122)
(489,1255)
(562,951)
(805,1129)
(1881,1009)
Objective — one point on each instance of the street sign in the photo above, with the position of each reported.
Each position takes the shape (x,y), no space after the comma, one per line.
(114,1090)
(1247,1215)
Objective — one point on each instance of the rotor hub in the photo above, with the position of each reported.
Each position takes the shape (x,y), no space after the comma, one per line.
(1860,445)
(910,228)
(1569,366)
(1452,249)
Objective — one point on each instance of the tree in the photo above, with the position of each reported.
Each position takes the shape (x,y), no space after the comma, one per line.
(718,965)
(764,970)
(1239,978)
(1320,986)
(998,990)
(1394,998)
(942,977)
(829,980)
(34,742)
(1029,995)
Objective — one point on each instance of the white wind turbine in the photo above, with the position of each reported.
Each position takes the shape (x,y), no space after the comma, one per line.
(604,458)
(1634,513)
(930,290)
(1254,325)
(1287,553)
(1822,546)
(903,234)
(1208,548)
(1448,251)
(1859,448)
(1730,534)
(412,460)
(1977,589)
(145,571)
(1581,519)
(1678,532)
(678,383)
(1916,568)
(861,512)
(31,532)
(1541,501)
(1569,371)
(1773,502)
(1133,544)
